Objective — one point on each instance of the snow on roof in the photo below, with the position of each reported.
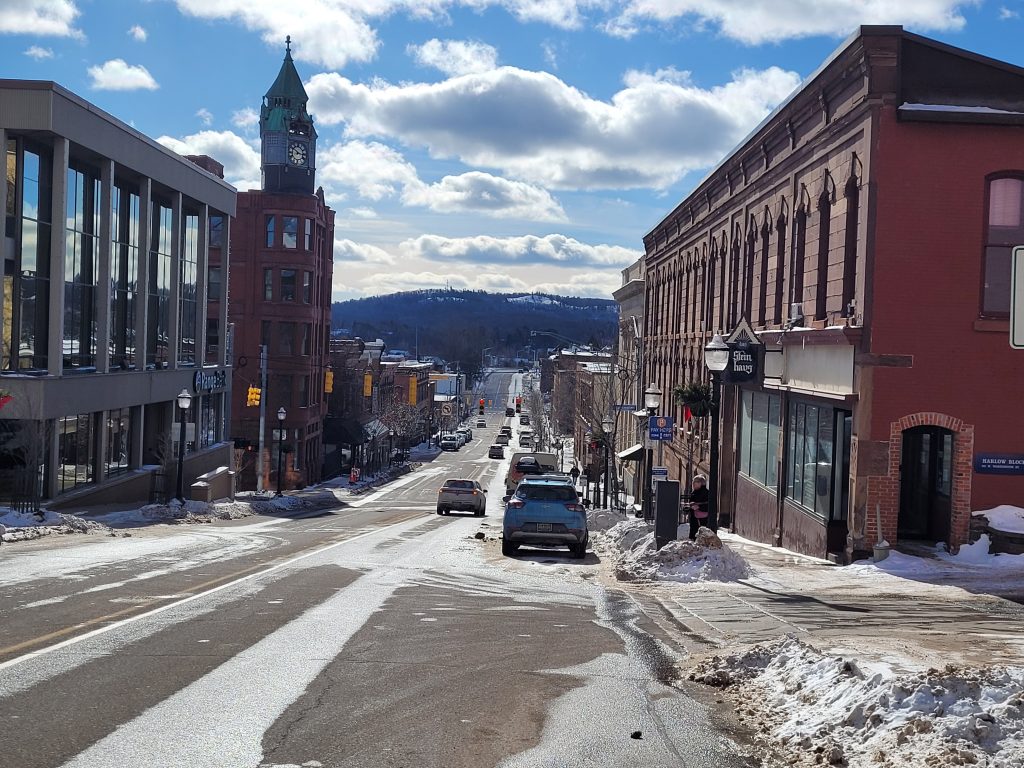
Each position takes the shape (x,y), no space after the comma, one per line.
(958,108)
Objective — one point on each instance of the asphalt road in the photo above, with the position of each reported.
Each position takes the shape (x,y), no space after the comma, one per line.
(374,633)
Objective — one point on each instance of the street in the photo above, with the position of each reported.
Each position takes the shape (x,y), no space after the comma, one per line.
(370,633)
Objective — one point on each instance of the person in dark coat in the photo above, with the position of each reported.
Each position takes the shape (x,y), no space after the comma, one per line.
(698,505)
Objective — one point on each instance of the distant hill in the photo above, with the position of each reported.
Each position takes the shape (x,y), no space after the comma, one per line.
(453,323)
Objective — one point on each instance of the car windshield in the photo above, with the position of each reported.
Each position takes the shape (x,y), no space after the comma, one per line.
(458,483)
(546,493)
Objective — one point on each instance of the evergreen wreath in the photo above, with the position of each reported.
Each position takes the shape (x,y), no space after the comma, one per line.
(696,396)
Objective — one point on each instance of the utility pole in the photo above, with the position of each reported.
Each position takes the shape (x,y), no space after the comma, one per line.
(263,415)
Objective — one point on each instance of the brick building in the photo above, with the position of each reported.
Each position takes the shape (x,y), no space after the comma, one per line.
(282,251)
(863,230)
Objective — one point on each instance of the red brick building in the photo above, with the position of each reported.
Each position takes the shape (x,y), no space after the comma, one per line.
(281,265)
(863,230)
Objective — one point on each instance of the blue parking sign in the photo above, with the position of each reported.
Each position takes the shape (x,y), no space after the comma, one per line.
(660,428)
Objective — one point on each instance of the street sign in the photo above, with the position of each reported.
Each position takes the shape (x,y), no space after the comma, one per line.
(446,409)
(658,474)
(1017,299)
(999,463)
(629,407)
(660,428)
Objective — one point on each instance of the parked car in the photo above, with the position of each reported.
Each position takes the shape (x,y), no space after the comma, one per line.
(450,443)
(464,430)
(465,495)
(510,411)
(496,451)
(502,439)
(526,440)
(544,512)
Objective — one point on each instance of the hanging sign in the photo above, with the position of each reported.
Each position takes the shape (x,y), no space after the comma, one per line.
(999,463)
(746,354)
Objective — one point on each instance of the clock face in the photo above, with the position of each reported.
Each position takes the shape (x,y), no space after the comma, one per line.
(297,153)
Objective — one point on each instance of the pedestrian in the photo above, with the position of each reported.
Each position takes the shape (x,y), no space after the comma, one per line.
(698,505)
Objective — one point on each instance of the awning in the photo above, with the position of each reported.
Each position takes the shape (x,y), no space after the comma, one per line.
(631,454)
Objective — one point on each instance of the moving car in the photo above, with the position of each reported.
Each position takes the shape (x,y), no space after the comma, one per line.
(528,463)
(524,418)
(544,512)
(496,451)
(481,423)
(506,429)
(526,439)
(502,439)
(466,495)
(510,411)
(450,443)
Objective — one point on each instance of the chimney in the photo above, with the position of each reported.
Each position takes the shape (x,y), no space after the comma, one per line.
(208,164)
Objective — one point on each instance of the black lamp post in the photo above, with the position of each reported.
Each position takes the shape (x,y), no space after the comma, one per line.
(391,445)
(184,402)
(606,426)
(716,358)
(652,402)
(281,414)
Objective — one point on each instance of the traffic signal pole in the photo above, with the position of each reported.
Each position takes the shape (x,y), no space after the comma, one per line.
(263,415)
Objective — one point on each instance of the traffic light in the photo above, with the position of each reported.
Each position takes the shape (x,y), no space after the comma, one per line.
(253,396)
(481,406)
(328,382)
(519,405)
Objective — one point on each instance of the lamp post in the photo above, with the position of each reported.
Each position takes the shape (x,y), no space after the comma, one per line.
(652,402)
(606,426)
(281,414)
(716,358)
(184,402)
(391,445)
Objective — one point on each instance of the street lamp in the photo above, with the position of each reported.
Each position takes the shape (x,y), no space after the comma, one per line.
(716,358)
(184,402)
(281,414)
(391,445)
(606,427)
(652,402)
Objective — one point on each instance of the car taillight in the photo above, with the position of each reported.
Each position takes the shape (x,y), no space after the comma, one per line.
(516,503)
(575,507)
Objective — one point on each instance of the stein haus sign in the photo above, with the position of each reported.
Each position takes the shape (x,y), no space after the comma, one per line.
(207,381)
(746,353)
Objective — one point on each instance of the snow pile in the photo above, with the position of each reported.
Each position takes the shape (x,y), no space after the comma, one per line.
(601,520)
(201,512)
(637,557)
(809,708)
(24,526)
(1005,518)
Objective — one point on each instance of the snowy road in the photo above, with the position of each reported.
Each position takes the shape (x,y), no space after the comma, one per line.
(375,634)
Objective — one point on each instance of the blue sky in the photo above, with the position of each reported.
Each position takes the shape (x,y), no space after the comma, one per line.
(507,145)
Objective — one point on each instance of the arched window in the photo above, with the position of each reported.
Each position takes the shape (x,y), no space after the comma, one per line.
(1005,230)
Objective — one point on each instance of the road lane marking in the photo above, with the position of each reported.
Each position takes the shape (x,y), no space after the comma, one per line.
(161,609)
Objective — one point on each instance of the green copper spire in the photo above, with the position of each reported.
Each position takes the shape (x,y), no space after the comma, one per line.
(288,85)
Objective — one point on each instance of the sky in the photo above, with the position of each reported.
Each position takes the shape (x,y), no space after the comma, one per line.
(504,145)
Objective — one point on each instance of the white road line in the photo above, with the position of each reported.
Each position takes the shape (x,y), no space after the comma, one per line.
(131,619)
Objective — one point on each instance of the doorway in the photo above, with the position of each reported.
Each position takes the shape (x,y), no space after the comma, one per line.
(926,484)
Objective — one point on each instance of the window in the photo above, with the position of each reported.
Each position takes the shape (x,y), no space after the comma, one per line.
(119,440)
(80,268)
(76,452)
(286,338)
(268,284)
(303,391)
(290,231)
(309,234)
(208,419)
(1005,230)
(12,189)
(270,231)
(159,289)
(824,223)
(216,231)
(288,284)
(307,333)
(213,282)
(189,272)
(812,451)
(124,276)
(27,331)
(307,287)
(265,333)
(760,422)
(212,340)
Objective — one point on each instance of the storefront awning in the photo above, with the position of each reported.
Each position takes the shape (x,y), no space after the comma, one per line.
(631,454)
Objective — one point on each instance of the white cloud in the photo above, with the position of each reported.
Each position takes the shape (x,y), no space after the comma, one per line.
(118,75)
(205,115)
(347,250)
(246,118)
(240,159)
(600,284)
(138,33)
(550,52)
(455,57)
(550,250)
(39,17)
(391,282)
(1005,13)
(763,21)
(534,127)
(38,53)
(361,212)
(377,171)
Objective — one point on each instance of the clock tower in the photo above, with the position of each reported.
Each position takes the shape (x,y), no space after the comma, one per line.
(287,135)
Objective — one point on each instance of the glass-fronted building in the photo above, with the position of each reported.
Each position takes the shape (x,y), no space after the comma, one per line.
(103,306)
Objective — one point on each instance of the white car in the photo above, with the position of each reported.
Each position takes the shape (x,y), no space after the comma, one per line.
(450,443)
(481,423)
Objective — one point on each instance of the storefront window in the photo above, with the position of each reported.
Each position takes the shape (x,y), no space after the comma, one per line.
(208,420)
(759,436)
(124,276)
(811,476)
(33,288)
(119,440)
(80,268)
(76,452)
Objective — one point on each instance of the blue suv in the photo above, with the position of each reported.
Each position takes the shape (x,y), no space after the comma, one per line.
(545,511)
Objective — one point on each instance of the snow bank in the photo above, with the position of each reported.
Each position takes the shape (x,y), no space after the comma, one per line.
(601,520)
(1004,518)
(201,511)
(636,555)
(810,708)
(23,526)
